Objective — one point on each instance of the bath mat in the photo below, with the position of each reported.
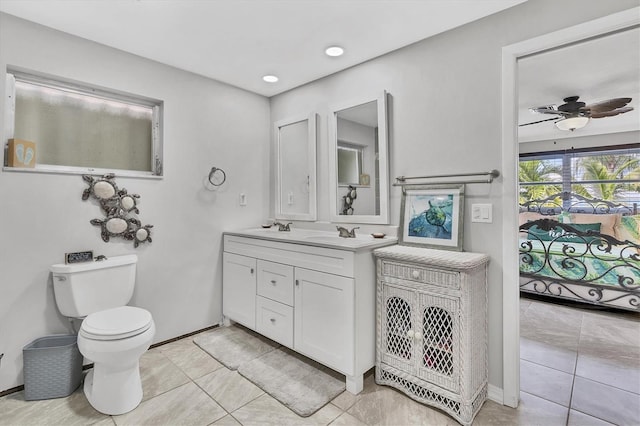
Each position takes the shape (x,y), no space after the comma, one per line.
(234,345)
(302,385)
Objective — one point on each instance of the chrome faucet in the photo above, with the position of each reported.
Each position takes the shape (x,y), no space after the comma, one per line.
(282,226)
(345,233)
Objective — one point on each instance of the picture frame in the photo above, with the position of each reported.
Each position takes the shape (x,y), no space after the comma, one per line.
(432,216)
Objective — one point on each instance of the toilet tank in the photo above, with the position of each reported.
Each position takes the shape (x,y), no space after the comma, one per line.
(83,288)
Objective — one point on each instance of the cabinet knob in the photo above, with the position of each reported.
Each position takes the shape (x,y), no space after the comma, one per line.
(297,282)
(251,270)
(410,334)
(417,335)
(415,274)
(273,320)
(273,282)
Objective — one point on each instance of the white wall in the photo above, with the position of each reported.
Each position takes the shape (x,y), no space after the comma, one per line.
(42,216)
(445,117)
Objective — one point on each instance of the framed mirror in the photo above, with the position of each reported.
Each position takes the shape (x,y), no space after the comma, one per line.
(359,166)
(295,149)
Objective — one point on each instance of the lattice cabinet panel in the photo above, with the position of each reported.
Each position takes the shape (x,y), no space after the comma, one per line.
(432,327)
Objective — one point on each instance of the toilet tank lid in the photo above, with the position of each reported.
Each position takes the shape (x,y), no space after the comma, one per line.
(88,266)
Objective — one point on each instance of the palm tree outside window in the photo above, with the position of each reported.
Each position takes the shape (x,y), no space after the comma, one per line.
(606,174)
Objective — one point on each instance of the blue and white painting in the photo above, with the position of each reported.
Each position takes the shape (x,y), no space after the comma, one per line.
(431,217)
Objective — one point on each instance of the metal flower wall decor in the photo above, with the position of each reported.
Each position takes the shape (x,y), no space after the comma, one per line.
(118,206)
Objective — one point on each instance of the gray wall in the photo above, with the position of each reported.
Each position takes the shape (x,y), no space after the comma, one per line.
(42,216)
(445,116)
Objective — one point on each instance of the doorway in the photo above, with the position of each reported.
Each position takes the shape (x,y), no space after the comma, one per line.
(510,150)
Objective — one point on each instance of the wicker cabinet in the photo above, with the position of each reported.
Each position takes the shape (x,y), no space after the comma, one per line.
(432,327)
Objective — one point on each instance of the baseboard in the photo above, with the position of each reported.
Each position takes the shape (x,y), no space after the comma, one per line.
(88,366)
(495,394)
(174,339)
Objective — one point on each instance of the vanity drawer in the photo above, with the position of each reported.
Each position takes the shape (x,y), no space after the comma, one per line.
(275,281)
(420,274)
(275,321)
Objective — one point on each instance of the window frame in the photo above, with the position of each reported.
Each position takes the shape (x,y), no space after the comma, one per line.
(566,158)
(30,77)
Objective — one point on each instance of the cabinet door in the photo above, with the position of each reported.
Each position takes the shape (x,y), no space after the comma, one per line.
(439,351)
(398,327)
(324,318)
(239,289)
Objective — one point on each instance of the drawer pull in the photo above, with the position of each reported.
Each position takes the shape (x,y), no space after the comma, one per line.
(251,271)
(297,282)
(418,335)
(415,274)
(273,282)
(410,334)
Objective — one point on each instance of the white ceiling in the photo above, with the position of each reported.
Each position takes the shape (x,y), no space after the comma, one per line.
(596,70)
(239,41)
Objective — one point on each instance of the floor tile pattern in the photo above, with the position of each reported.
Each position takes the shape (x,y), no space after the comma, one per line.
(579,367)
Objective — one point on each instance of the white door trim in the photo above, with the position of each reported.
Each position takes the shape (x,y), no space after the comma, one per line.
(510,289)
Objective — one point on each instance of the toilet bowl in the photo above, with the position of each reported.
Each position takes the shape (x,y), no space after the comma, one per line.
(114,340)
(113,335)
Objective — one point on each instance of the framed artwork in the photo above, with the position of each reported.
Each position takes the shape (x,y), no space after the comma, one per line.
(432,216)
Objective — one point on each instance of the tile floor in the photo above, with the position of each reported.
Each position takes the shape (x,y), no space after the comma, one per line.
(586,361)
(579,367)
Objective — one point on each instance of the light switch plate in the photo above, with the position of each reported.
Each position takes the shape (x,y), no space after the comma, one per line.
(482,213)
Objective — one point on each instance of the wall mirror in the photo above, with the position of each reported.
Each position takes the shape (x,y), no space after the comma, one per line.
(295,148)
(359,170)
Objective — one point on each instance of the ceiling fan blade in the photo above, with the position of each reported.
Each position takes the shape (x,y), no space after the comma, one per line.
(546,110)
(541,121)
(611,113)
(605,106)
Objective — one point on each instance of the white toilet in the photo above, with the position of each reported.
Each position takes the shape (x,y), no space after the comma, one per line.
(112,335)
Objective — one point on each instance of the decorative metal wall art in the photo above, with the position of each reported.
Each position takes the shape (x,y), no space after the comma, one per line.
(118,206)
(347,200)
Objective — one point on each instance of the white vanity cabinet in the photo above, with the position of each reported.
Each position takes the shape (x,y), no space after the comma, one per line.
(317,299)
(432,327)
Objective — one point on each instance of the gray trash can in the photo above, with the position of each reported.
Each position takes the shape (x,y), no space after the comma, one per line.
(52,367)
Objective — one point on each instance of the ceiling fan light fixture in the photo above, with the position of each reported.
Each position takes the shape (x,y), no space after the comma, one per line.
(572,123)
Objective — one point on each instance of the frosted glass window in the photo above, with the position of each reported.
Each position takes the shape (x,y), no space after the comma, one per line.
(76,128)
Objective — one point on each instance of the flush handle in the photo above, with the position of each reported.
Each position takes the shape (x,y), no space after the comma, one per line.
(61,278)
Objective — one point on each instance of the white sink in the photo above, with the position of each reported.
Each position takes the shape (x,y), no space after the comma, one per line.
(317,238)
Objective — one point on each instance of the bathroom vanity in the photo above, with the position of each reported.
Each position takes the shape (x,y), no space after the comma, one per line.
(310,291)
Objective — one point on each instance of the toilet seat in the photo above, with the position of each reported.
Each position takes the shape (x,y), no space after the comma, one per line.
(116,323)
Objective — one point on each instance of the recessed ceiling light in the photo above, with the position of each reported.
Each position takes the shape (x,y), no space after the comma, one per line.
(270,78)
(334,51)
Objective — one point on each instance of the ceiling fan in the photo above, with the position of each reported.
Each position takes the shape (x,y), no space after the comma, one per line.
(574,114)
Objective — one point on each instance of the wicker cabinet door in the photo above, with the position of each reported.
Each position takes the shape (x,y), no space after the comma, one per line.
(439,351)
(398,328)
